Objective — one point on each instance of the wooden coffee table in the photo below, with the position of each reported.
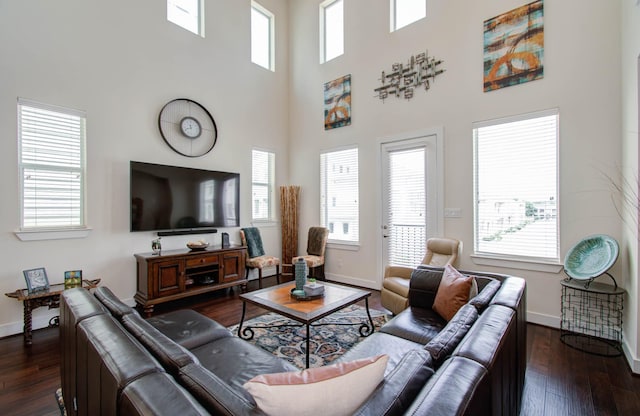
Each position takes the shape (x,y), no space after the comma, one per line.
(278,299)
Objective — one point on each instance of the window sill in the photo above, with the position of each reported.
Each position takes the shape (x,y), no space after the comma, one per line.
(37,235)
(343,246)
(520,264)
(264,223)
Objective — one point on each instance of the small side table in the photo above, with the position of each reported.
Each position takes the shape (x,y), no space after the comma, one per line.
(592,317)
(50,298)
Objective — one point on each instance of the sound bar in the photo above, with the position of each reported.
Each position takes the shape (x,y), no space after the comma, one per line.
(185,232)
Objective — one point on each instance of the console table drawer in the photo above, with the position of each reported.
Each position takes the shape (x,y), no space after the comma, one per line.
(202,261)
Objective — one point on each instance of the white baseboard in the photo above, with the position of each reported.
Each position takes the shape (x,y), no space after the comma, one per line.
(632,360)
(37,322)
(543,319)
(349,280)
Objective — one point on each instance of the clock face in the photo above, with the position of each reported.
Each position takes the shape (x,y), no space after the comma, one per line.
(190,127)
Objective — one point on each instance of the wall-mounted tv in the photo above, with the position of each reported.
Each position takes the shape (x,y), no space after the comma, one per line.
(179,200)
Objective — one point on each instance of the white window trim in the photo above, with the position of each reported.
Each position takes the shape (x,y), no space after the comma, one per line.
(513,261)
(323,30)
(62,232)
(272,36)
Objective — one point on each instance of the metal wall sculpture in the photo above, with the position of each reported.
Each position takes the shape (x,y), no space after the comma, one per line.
(419,71)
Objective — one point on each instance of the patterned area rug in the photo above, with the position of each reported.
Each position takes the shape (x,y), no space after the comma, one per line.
(327,343)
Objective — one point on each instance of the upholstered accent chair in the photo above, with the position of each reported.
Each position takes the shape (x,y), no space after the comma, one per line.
(395,284)
(257,259)
(316,246)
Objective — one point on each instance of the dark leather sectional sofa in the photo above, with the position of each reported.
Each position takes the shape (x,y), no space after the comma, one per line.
(182,363)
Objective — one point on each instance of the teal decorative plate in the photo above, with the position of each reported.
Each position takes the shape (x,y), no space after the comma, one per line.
(591,257)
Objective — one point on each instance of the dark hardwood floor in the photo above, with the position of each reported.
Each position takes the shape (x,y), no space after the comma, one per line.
(559,381)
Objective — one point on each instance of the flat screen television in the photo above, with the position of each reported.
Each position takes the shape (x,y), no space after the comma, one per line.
(182,200)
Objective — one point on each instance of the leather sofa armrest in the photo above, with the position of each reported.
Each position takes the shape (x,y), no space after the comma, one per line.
(398,271)
(401,386)
(218,397)
(157,394)
(452,390)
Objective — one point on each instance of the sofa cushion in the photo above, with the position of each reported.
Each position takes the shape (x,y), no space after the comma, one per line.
(236,361)
(424,286)
(453,292)
(300,393)
(189,328)
(217,396)
(171,355)
(157,394)
(443,344)
(482,300)
(415,324)
(400,386)
(117,308)
(380,343)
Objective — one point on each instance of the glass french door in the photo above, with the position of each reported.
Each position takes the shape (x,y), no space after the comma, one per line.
(409,195)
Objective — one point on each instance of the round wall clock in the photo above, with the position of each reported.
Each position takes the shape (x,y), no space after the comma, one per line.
(187,127)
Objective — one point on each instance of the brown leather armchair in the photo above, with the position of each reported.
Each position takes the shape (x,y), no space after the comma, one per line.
(395,284)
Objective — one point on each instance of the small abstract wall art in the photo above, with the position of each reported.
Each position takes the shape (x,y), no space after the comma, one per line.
(420,71)
(514,47)
(337,103)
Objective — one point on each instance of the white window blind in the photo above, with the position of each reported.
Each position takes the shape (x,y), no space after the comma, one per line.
(263,184)
(516,186)
(405,12)
(339,197)
(186,14)
(52,166)
(407,207)
(262,36)
(332,29)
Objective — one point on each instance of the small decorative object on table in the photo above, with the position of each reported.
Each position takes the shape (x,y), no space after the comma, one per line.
(313,289)
(197,245)
(72,278)
(36,279)
(156,246)
(301,278)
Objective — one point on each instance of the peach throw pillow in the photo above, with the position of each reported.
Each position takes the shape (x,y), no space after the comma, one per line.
(337,389)
(453,292)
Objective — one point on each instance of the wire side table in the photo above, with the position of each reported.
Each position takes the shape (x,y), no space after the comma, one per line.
(592,317)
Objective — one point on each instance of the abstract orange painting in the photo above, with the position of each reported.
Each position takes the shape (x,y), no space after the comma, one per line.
(514,47)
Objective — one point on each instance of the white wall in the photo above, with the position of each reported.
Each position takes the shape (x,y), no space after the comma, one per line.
(630,119)
(121,61)
(582,63)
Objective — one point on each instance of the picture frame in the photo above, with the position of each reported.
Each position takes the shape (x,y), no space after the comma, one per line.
(36,279)
(72,278)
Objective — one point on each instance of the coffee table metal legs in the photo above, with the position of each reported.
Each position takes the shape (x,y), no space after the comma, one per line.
(247,333)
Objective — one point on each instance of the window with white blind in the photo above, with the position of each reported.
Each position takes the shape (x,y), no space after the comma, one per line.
(331,29)
(262,185)
(52,166)
(516,187)
(187,14)
(262,36)
(405,12)
(339,199)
